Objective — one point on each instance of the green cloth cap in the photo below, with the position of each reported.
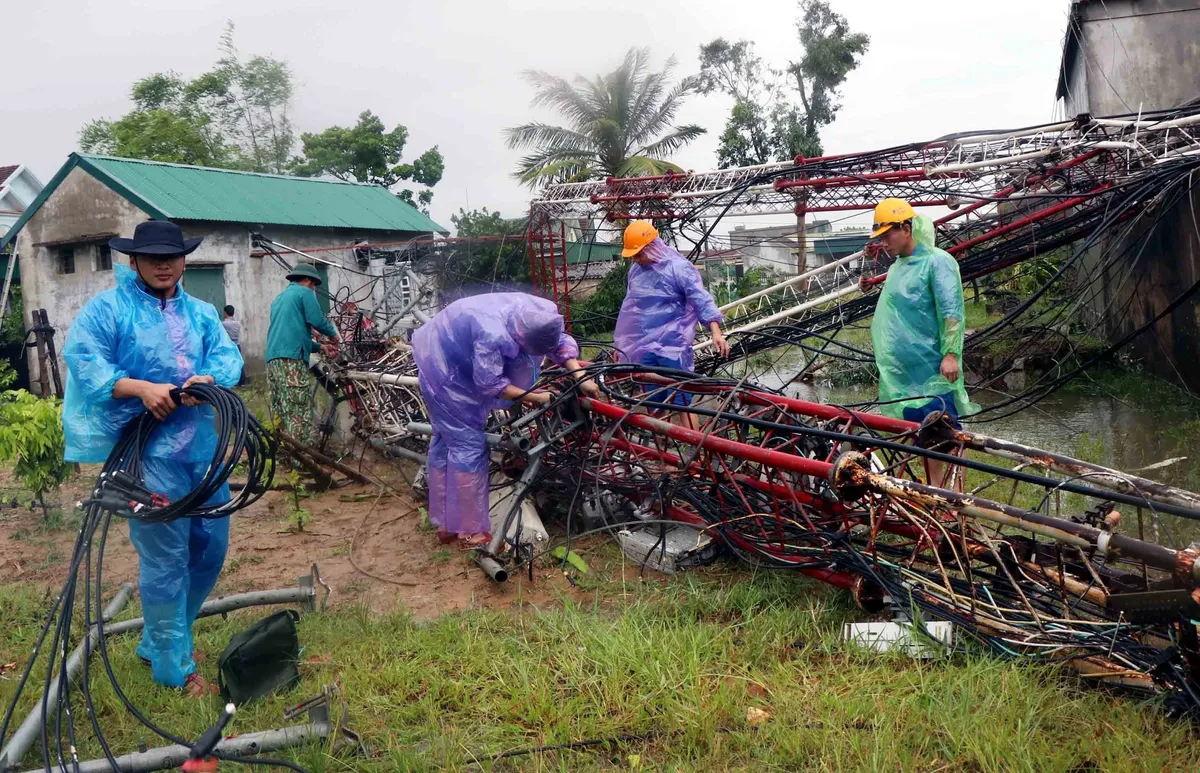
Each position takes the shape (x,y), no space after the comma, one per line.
(304,271)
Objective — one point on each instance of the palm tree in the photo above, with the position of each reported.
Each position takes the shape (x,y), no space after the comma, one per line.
(620,124)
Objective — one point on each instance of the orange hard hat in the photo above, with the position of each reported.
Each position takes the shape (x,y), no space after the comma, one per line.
(638,234)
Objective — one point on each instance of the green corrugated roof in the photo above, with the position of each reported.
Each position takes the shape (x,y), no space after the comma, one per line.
(178,192)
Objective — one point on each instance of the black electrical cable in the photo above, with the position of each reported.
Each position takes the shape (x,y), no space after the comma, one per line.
(120,491)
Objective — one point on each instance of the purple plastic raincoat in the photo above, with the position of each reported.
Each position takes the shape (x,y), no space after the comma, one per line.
(663,302)
(466,356)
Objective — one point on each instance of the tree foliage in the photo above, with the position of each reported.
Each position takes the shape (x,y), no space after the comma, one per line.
(490,253)
(12,333)
(765,124)
(596,315)
(31,435)
(367,153)
(619,124)
(234,116)
(727,287)
(12,329)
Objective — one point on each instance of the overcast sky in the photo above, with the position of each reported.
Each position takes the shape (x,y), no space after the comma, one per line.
(451,70)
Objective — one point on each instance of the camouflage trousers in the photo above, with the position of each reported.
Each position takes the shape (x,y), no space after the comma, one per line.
(293,398)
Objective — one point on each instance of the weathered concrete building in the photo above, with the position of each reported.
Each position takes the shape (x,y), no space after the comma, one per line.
(774,247)
(62,237)
(1122,56)
(1131,56)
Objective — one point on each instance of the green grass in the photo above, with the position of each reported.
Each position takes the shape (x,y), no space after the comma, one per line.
(681,660)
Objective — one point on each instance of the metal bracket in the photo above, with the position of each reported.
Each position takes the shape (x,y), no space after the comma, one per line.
(309,582)
(321,708)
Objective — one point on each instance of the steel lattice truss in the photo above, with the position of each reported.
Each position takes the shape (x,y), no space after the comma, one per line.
(1013,195)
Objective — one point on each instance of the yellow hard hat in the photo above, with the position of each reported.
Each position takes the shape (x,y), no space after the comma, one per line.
(890,212)
(638,234)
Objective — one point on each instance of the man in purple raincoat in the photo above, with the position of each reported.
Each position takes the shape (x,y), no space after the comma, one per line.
(478,354)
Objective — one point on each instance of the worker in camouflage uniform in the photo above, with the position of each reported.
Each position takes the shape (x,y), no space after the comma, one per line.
(295,314)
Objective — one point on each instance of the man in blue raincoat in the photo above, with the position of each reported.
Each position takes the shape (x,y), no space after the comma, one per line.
(919,324)
(478,354)
(664,299)
(125,351)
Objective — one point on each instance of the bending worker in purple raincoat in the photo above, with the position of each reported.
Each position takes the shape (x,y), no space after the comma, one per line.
(477,354)
(664,299)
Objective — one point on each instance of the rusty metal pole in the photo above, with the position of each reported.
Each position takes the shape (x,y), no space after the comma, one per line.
(851,477)
(43,370)
(51,352)
(1107,478)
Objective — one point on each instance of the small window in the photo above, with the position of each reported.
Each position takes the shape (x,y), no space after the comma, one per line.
(66,260)
(103,258)
(406,292)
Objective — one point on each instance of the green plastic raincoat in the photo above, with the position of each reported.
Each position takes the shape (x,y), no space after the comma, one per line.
(918,320)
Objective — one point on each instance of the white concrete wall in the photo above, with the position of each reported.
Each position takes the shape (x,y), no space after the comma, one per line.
(79,208)
(83,208)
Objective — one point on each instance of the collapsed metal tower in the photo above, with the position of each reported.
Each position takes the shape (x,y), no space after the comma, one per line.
(1035,556)
(1012,195)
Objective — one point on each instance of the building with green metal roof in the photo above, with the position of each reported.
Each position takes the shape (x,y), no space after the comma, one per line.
(61,238)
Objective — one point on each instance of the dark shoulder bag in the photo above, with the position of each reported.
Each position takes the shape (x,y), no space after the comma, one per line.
(261,659)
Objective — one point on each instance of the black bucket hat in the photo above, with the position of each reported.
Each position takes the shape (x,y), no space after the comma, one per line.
(156,237)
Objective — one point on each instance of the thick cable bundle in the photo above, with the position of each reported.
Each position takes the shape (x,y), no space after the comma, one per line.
(238,434)
(120,491)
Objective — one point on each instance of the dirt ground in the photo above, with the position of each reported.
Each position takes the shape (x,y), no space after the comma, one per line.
(403,566)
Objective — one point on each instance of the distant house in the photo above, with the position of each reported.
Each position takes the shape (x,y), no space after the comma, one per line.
(18,189)
(774,247)
(63,236)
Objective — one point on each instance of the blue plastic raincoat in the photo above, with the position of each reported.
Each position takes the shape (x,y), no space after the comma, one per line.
(126,332)
(466,356)
(919,319)
(663,302)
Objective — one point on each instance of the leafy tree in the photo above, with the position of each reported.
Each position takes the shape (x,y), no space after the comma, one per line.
(12,331)
(166,124)
(725,286)
(734,69)
(31,434)
(764,124)
(234,116)
(366,153)
(597,314)
(831,52)
(618,124)
(492,253)
(253,99)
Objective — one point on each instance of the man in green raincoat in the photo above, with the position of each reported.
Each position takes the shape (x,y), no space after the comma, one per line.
(917,332)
